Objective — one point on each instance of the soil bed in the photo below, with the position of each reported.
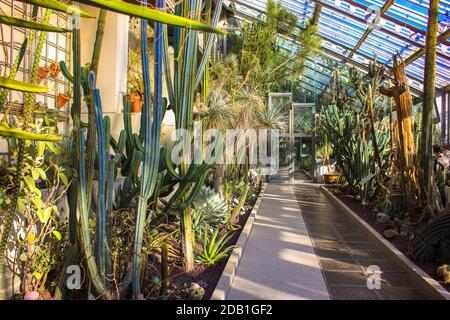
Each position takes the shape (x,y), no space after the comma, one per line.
(204,275)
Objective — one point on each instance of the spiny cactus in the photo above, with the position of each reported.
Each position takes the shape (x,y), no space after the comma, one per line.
(349,133)
(425,241)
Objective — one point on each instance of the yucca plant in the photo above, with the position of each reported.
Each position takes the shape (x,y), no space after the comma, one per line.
(273,117)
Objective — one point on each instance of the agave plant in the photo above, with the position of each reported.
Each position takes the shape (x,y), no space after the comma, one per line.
(210,208)
(214,247)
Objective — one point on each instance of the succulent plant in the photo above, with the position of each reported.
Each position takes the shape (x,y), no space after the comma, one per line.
(209,208)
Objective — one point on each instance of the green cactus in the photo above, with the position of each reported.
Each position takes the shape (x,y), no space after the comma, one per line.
(352,140)
(164,268)
(14,69)
(424,243)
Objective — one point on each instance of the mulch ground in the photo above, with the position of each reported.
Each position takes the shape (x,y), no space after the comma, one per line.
(207,276)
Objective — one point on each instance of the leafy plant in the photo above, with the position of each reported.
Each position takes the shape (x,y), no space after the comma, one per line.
(214,247)
(210,209)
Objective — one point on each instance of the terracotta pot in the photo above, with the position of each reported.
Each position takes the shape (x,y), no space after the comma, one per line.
(136,103)
(331,178)
(62,100)
(54,69)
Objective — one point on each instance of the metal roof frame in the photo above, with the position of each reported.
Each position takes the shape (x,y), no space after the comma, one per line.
(395,20)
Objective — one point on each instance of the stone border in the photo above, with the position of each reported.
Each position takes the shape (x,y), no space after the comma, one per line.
(226,279)
(430,286)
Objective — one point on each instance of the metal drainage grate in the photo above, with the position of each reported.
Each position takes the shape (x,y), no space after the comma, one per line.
(345,251)
(385,266)
(362,254)
(352,293)
(342,265)
(334,254)
(396,279)
(402,294)
(345,278)
(354,237)
(323,237)
(330,245)
(361,245)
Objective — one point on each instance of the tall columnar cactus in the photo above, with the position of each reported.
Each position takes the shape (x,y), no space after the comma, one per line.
(187,75)
(94,275)
(101,244)
(354,148)
(152,129)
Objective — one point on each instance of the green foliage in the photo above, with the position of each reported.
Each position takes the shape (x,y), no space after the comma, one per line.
(348,132)
(356,125)
(29,24)
(210,209)
(260,43)
(214,247)
(273,117)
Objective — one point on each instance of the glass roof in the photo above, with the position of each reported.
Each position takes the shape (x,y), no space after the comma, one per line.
(355,31)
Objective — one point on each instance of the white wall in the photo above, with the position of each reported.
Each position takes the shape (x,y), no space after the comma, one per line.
(112,72)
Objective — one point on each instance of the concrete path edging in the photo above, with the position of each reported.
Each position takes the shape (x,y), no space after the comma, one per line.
(430,286)
(228,274)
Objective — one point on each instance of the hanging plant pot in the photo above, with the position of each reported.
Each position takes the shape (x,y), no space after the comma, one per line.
(62,100)
(43,72)
(331,178)
(136,103)
(54,69)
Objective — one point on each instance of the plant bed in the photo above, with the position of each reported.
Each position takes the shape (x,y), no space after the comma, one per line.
(396,247)
(202,276)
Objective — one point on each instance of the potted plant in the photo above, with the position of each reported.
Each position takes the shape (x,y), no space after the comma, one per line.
(330,176)
(136,93)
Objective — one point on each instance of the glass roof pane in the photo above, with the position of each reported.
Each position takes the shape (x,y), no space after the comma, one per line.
(342,23)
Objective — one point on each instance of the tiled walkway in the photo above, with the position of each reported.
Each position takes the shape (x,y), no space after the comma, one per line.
(301,247)
(278,261)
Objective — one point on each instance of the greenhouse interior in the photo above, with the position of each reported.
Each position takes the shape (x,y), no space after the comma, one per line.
(225,150)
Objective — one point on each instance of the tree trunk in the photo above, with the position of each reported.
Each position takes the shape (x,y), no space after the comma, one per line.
(426,161)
